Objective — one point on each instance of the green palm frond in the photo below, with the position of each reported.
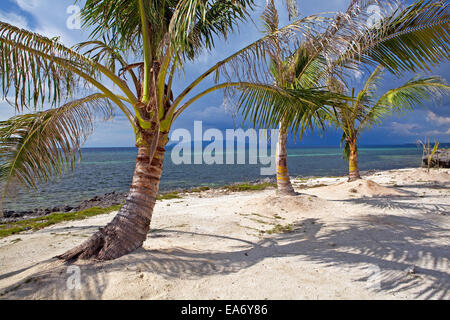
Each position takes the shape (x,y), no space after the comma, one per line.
(189,25)
(340,33)
(368,93)
(346,149)
(195,24)
(307,69)
(317,40)
(297,98)
(108,54)
(118,19)
(38,69)
(251,63)
(411,39)
(268,105)
(343,118)
(415,92)
(36,147)
(103,51)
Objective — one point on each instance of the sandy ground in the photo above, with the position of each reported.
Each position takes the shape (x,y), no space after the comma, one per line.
(336,240)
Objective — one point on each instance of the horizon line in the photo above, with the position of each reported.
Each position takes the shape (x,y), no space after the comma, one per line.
(302,146)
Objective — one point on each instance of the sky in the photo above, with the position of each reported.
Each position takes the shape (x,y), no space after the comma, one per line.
(51,18)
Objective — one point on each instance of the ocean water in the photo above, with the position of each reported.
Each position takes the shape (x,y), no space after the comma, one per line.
(110,169)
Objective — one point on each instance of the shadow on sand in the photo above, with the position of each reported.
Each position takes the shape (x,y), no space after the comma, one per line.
(404,203)
(390,242)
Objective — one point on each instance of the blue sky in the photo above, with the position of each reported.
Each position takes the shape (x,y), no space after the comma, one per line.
(48,17)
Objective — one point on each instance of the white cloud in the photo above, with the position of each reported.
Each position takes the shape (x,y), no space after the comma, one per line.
(53,32)
(28,5)
(434,118)
(211,112)
(438,132)
(14,19)
(50,18)
(405,129)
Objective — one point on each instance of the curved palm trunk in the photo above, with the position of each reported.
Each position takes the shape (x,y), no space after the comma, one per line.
(283,178)
(353,174)
(130,227)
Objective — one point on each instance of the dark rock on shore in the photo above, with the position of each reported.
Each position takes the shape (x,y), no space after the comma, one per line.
(441,159)
(105,201)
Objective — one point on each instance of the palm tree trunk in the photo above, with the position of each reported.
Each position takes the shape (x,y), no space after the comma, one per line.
(283,178)
(353,162)
(130,227)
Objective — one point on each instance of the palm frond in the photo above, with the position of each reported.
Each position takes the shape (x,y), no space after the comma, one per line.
(411,39)
(307,68)
(117,19)
(252,63)
(103,51)
(323,41)
(36,147)
(340,32)
(268,105)
(196,24)
(270,18)
(292,8)
(415,92)
(346,149)
(189,25)
(108,54)
(38,69)
(369,91)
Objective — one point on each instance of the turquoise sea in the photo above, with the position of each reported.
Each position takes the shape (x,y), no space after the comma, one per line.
(105,170)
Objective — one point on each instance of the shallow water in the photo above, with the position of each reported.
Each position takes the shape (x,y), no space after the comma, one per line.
(110,169)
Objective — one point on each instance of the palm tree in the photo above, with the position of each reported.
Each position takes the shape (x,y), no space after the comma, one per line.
(162,35)
(368,110)
(292,70)
(406,39)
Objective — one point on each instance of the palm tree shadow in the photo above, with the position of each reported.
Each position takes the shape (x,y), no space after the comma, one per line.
(403,203)
(57,281)
(391,244)
(430,185)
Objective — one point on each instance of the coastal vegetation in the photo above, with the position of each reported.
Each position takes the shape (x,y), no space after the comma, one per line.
(429,152)
(34,224)
(400,41)
(241,187)
(368,109)
(37,146)
(309,60)
(291,70)
(9,228)
(164,36)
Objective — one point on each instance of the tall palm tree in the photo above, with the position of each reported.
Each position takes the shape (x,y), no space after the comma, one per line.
(292,70)
(368,109)
(408,38)
(163,36)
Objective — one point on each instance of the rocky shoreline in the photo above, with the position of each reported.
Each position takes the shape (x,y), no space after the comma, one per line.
(222,244)
(103,201)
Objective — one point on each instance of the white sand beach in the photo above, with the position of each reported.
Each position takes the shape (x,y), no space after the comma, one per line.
(386,239)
